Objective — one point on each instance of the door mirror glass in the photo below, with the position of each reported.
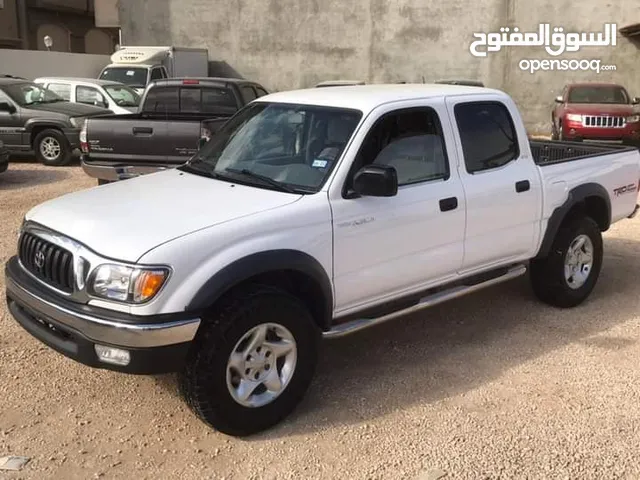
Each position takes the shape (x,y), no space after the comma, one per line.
(376,181)
(7,107)
(559,99)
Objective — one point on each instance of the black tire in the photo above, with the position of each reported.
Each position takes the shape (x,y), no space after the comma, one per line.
(548,274)
(102,181)
(53,137)
(554,130)
(560,133)
(203,382)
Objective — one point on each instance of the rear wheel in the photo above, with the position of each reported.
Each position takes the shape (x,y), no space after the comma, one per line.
(566,277)
(52,148)
(252,362)
(554,130)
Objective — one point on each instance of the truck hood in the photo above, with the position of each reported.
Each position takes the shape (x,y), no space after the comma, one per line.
(599,109)
(70,109)
(124,220)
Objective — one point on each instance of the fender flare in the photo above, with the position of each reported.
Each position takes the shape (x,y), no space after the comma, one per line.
(46,123)
(261,263)
(576,195)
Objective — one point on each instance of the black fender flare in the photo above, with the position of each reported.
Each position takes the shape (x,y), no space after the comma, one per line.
(576,195)
(44,124)
(262,263)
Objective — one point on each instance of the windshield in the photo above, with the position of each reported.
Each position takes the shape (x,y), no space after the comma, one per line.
(134,77)
(123,96)
(294,146)
(598,94)
(25,94)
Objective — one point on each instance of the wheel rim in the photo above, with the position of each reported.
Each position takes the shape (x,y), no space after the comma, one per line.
(50,148)
(578,261)
(261,365)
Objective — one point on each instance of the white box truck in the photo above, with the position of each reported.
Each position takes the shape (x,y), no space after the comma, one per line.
(137,66)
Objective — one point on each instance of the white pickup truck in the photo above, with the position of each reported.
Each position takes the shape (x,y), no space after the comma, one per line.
(313,213)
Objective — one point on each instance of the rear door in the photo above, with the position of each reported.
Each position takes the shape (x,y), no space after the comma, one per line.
(500,179)
(11,124)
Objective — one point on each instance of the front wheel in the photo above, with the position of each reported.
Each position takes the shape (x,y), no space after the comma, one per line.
(252,362)
(566,277)
(52,148)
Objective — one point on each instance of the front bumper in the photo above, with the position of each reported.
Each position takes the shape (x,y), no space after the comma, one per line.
(575,130)
(114,173)
(155,345)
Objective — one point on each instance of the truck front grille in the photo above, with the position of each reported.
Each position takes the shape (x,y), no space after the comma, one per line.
(603,121)
(48,262)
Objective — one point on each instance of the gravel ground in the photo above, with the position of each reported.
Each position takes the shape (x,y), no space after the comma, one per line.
(492,386)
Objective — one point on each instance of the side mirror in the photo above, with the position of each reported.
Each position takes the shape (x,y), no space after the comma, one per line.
(376,181)
(7,107)
(635,101)
(559,99)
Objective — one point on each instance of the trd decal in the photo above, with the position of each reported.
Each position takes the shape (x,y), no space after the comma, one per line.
(632,187)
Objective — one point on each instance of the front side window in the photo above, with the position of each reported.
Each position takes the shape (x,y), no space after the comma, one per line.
(63,90)
(123,95)
(90,96)
(293,146)
(487,134)
(156,74)
(29,93)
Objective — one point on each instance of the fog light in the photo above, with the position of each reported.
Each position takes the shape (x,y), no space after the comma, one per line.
(115,356)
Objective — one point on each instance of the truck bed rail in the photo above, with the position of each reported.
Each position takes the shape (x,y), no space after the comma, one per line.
(549,152)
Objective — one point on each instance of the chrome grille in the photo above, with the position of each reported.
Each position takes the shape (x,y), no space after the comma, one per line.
(47,261)
(603,121)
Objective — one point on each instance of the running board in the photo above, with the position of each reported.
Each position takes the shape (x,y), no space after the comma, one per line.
(429,301)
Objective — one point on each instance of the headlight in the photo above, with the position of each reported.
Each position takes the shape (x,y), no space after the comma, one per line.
(633,119)
(77,122)
(574,117)
(127,284)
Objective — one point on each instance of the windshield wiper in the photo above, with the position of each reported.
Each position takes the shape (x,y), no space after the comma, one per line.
(274,183)
(203,169)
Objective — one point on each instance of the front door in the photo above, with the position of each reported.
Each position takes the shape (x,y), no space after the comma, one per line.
(11,127)
(387,247)
(501,182)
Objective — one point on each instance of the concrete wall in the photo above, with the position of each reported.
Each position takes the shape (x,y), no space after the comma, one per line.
(32,64)
(288,44)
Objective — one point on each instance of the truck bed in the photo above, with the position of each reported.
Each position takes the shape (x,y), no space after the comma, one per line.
(550,152)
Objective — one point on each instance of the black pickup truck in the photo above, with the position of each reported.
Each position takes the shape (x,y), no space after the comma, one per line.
(33,119)
(166,131)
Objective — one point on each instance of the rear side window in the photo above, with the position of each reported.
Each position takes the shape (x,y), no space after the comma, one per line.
(261,92)
(248,93)
(488,135)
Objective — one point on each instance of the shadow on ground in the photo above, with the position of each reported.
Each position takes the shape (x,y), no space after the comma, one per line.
(16,177)
(457,347)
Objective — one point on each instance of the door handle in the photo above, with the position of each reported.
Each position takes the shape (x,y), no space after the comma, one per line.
(522,186)
(142,130)
(447,204)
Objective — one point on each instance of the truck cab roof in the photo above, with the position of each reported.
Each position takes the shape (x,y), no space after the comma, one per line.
(368,97)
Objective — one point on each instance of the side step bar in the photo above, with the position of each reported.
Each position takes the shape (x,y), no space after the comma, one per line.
(429,301)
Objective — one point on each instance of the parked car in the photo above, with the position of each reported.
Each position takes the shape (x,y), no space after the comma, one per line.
(596,111)
(469,83)
(166,131)
(312,213)
(4,157)
(34,119)
(339,83)
(117,97)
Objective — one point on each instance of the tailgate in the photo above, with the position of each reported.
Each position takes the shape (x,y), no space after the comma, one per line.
(127,139)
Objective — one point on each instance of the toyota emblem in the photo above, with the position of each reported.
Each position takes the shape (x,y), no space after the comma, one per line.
(39,259)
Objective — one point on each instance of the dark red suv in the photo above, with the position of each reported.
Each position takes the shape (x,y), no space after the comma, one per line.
(596,111)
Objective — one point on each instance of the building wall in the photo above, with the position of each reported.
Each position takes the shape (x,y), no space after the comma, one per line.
(9,35)
(291,43)
(32,64)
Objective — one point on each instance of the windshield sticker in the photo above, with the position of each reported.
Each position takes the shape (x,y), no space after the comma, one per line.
(130,73)
(319,163)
